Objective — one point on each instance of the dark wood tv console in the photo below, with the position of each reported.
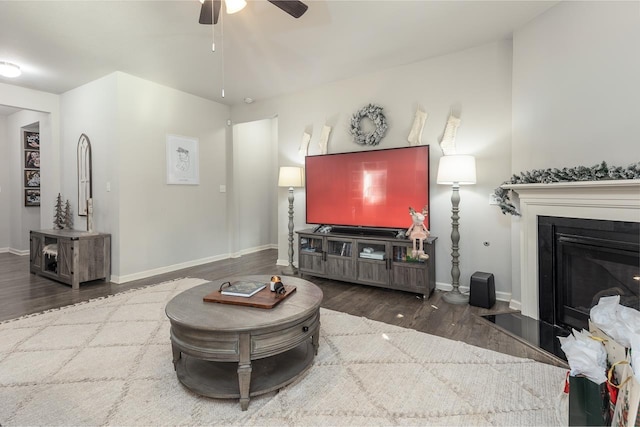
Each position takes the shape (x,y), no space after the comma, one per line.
(386,263)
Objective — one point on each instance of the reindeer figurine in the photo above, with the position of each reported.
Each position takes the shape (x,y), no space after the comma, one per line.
(418,232)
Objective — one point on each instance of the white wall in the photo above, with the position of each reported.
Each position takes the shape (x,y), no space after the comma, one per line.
(255,183)
(474,82)
(155,227)
(168,225)
(4,186)
(92,109)
(576,91)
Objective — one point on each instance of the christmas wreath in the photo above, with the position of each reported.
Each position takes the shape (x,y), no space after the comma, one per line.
(598,172)
(373,113)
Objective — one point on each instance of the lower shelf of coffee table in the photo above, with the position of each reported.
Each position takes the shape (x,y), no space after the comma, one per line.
(220,379)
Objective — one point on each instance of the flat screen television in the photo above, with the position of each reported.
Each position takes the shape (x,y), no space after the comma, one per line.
(372,189)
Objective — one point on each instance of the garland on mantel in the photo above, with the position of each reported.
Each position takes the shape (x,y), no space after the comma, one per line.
(599,172)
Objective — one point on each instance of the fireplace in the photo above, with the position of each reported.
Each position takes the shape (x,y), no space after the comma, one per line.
(585,234)
(581,260)
(612,200)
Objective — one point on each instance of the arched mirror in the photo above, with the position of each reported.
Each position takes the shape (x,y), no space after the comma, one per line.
(84,174)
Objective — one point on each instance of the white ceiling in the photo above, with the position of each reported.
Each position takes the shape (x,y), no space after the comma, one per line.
(61,45)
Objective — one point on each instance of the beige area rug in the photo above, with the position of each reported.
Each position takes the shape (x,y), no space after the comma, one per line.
(108,362)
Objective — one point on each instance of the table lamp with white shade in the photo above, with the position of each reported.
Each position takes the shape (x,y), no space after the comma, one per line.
(456,170)
(290,176)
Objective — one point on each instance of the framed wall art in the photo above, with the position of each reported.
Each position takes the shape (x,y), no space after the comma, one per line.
(32,178)
(32,197)
(31,166)
(31,159)
(182,160)
(31,140)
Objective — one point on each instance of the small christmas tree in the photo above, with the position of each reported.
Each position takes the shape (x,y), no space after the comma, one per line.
(68,216)
(58,217)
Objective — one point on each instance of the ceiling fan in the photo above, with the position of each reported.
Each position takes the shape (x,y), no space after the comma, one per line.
(210,9)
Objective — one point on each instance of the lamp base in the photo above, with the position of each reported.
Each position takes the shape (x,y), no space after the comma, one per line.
(290,270)
(455,297)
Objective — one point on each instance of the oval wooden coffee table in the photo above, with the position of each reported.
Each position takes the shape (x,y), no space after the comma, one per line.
(232,351)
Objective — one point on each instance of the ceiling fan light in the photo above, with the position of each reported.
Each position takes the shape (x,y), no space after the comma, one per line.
(234,6)
(7,69)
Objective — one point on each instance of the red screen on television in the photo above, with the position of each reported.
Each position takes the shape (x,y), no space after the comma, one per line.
(368,188)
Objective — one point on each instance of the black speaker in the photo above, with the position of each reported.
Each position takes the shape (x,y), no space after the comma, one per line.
(482,290)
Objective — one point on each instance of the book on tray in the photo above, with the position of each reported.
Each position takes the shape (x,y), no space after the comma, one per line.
(242,288)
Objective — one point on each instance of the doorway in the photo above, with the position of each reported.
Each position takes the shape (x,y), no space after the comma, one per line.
(21,176)
(254,184)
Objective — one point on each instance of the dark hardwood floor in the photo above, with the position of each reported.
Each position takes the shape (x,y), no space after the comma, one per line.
(23,293)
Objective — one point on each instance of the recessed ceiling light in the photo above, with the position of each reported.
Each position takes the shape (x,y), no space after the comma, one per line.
(7,69)
(248,100)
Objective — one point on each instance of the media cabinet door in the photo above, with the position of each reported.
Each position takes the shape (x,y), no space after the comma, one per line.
(408,273)
(67,249)
(370,270)
(35,252)
(373,272)
(311,255)
(340,258)
(412,278)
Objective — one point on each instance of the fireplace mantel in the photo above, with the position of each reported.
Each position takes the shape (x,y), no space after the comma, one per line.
(614,200)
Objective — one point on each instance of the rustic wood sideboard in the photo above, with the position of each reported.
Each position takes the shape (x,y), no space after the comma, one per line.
(70,256)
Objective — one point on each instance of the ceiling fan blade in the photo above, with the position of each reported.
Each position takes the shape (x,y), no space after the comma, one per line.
(205,12)
(292,7)
(206,9)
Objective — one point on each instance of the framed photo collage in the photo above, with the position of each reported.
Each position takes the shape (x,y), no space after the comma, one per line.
(31,171)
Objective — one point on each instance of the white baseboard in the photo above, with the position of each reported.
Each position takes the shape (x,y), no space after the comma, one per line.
(503,296)
(515,305)
(285,262)
(186,264)
(253,250)
(500,296)
(18,252)
(447,287)
(166,269)
(13,251)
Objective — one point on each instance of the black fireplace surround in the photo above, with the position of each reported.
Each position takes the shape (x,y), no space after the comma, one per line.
(581,260)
